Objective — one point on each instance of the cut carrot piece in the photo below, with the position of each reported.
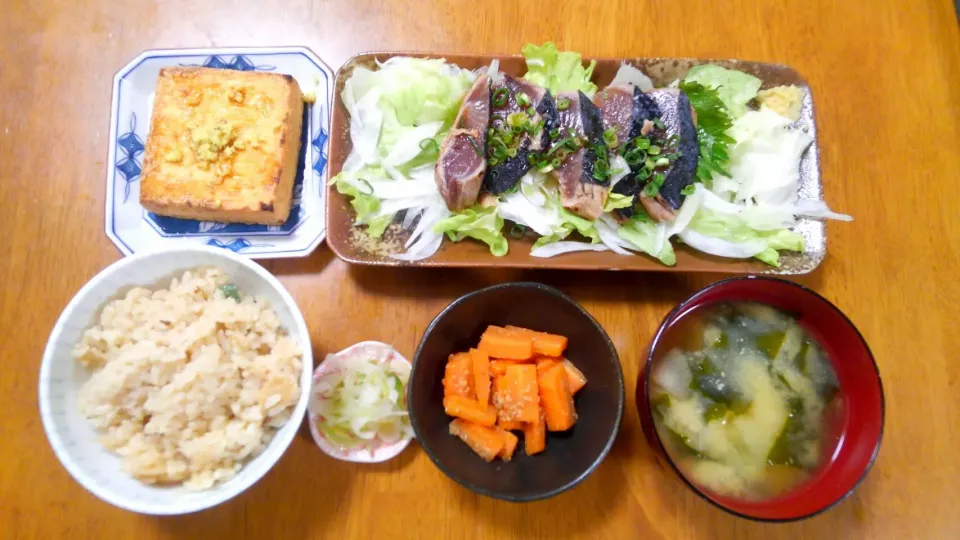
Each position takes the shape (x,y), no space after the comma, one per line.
(498,366)
(519,398)
(535,436)
(575,377)
(496,398)
(486,442)
(499,343)
(481,375)
(510,425)
(546,362)
(557,401)
(509,444)
(458,376)
(543,343)
(469,409)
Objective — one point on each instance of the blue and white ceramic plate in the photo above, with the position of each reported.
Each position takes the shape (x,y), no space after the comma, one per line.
(134,229)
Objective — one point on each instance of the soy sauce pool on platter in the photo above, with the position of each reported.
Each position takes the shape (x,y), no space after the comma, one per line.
(745,400)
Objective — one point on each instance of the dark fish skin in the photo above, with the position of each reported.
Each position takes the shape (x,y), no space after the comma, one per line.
(625,108)
(593,130)
(505,175)
(644,109)
(580,192)
(677,116)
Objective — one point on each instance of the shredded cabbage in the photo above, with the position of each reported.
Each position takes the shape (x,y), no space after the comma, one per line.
(361,402)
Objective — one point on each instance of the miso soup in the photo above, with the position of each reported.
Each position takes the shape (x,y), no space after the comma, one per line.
(744,399)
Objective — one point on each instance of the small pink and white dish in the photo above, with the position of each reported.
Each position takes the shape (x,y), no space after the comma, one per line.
(378,448)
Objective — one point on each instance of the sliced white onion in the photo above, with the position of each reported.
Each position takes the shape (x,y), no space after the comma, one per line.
(621,167)
(410,216)
(691,204)
(817,209)
(402,189)
(607,229)
(519,209)
(631,75)
(408,145)
(557,248)
(365,124)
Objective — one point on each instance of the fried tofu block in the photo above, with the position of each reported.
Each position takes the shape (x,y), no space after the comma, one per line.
(223,145)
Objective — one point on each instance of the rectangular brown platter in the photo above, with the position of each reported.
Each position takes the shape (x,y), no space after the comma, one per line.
(343,239)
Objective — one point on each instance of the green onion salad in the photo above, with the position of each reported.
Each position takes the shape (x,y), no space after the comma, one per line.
(358,400)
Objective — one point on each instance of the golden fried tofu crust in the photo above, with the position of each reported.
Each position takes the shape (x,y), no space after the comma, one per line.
(223,145)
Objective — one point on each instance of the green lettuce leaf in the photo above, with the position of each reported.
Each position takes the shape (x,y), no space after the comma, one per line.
(735,88)
(731,228)
(478,223)
(642,233)
(558,71)
(713,121)
(617,200)
(570,223)
(366,206)
(585,227)
(421,90)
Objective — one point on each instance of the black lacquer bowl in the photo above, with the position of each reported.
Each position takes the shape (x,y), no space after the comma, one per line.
(569,456)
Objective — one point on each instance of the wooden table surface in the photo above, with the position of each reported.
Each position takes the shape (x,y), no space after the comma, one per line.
(886,76)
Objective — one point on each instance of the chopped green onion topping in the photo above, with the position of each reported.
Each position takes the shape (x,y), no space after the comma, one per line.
(635,157)
(554,133)
(429,145)
(662,162)
(475,145)
(517,231)
(654,150)
(563,104)
(511,152)
(560,144)
(658,123)
(230,291)
(500,96)
(368,186)
(556,162)
(522,99)
(610,138)
(516,119)
(531,111)
(689,190)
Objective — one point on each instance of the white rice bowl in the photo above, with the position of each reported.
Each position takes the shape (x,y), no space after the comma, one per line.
(142,428)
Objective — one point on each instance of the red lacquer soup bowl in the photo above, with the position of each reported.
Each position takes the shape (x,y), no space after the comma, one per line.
(856,433)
